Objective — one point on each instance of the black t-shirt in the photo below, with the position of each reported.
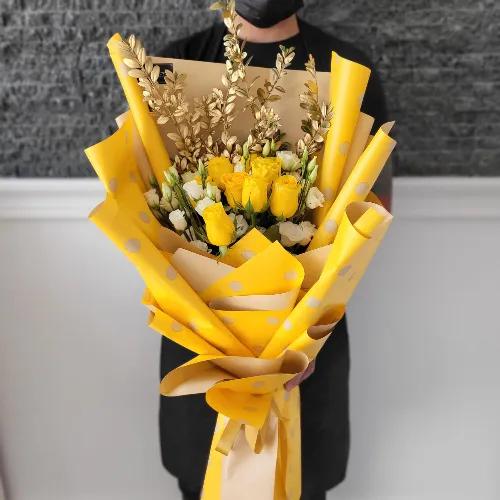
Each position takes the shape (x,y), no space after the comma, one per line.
(264,54)
(208,46)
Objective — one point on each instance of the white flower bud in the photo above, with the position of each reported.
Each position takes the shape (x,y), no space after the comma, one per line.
(202,204)
(178,220)
(291,233)
(314,173)
(266,149)
(312,164)
(152,198)
(201,245)
(194,190)
(174,202)
(166,191)
(239,167)
(213,192)
(308,230)
(171,176)
(240,223)
(289,161)
(315,198)
(188,176)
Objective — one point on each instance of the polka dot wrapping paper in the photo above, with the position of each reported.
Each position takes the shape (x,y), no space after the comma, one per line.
(255,318)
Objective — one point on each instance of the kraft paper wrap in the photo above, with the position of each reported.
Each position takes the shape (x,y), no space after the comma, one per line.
(255,318)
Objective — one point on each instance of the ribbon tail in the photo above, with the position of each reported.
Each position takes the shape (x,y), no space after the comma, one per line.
(263,464)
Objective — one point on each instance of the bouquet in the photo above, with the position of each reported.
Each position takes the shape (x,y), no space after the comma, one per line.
(251,226)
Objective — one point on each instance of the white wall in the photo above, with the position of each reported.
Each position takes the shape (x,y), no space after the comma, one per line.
(79,368)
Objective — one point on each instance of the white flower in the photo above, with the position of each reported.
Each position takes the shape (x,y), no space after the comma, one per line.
(194,190)
(289,160)
(308,230)
(171,176)
(240,223)
(178,220)
(152,198)
(291,233)
(239,167)
(213,192)
(188,176)
(169,202)
(201,245)
(202,204)
(315,198)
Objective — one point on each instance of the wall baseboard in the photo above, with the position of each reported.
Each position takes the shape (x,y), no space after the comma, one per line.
(414,197)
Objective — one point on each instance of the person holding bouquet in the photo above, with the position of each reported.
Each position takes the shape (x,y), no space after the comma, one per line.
(186,424)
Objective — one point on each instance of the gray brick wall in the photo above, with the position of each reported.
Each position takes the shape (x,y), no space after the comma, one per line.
(439,59)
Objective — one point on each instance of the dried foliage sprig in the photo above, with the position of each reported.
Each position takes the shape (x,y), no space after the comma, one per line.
(318,115)
(166,101)
(220,106)
(267,122)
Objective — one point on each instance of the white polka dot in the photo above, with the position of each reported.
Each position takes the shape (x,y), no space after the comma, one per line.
(144,217)
(133,245)
(313,302)
(344,148)
(171,273)
(113,184)
(344,270)
(328,193)
(132,177)
(272,320)
(227,320)
(330,226)
(236,286)
(248,254)
(287,325)
(361,188)
(291,275)
(259,384)
(176,327)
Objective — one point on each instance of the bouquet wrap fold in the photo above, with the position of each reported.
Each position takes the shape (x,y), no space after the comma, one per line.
(256,317)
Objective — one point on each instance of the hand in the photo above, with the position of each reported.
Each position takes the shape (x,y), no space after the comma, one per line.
(300,377)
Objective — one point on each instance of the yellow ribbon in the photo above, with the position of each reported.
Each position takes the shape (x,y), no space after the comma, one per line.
(258,426)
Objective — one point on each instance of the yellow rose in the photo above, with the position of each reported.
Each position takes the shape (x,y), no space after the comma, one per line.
(233,187)
(255,192)
(265,168)
(217,167)
(219,226)
(285,196)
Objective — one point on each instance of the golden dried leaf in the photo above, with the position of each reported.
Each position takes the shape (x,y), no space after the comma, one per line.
(131,63)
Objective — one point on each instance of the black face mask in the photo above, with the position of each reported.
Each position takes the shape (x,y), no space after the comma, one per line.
(267,13)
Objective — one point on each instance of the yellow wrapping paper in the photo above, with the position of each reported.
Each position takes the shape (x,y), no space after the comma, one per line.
(348,83)
(257,317)
(358,184)
(145,123)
